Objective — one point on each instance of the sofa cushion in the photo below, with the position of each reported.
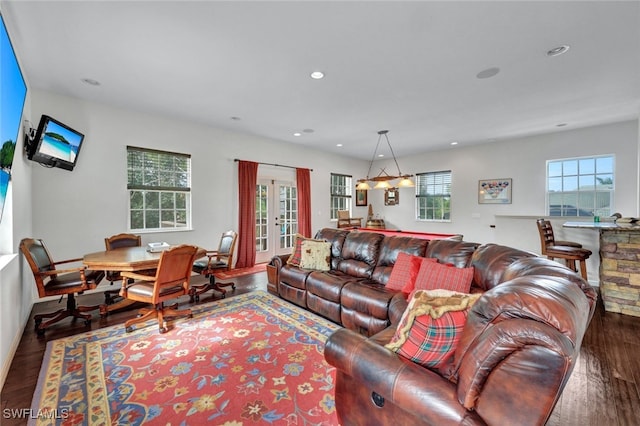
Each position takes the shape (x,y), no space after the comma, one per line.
(430,328)
(491,261)
(405,271)
(315,255)
(327,284)
(434,275)
(294,276)
(360,254)
(390,247)
(367,297)
(449,251)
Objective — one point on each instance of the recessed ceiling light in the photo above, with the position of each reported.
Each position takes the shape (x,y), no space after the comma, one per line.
(234,118)
(317,75)
(454,143)
(338,144)
(380,155)
(91,82)
(488,73)
(308,130)
(557,51)
(297,134)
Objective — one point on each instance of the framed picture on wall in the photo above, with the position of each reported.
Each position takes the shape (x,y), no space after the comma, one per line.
(361,197)
(494,191)
(391,197)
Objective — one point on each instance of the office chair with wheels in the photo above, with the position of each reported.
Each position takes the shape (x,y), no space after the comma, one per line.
(51,281)
(170,282)
(216,260)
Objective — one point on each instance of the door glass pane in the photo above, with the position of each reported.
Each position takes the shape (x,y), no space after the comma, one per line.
(262,232)
(288,215)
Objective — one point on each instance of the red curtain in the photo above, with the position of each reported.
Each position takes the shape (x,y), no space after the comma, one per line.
(247,181)
(303,177)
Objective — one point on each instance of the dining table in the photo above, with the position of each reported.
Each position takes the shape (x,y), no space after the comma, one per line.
(125,259)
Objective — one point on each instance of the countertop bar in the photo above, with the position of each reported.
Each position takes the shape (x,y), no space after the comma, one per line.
(619,264)
(602,225)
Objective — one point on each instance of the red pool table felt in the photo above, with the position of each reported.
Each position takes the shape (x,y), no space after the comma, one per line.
(414,234)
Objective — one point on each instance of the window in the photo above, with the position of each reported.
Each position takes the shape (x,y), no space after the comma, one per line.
(340,194)
(433,196)
(159,184)
(580,186)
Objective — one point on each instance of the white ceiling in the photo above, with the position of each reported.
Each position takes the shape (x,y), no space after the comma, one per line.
(409,67)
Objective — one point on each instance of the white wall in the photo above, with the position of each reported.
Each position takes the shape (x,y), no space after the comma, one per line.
(523,160)
(15,299)
(74,211)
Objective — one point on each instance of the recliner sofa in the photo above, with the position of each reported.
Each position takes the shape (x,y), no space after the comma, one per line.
(517,349)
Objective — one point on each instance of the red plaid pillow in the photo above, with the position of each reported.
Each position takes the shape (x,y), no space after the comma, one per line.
(437,275)
(296,254)
(430,328)
(405,271)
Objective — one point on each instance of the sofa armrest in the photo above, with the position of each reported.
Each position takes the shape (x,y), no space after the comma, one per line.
(279,261)
(418,391)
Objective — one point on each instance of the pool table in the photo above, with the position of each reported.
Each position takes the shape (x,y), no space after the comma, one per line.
(414,234)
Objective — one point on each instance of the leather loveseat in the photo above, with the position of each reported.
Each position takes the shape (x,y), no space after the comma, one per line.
(516,352)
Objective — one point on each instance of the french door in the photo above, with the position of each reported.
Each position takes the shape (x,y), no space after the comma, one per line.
(276,218)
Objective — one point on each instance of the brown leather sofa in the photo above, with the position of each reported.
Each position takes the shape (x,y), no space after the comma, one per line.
(517,350)
(353,292)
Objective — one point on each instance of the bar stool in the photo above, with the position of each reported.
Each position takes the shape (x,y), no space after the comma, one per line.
(570,251)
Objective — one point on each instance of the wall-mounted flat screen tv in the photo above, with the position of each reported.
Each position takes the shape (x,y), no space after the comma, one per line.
(13,92)
(55,144)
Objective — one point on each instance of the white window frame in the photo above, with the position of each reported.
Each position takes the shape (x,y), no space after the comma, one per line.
(438,187)
(341,195)
(580,186)
(167,180)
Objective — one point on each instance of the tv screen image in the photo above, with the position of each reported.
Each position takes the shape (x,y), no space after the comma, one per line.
(13,95)
(56,144)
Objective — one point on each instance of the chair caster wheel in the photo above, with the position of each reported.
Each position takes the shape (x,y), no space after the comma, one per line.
(40,331)
(87,322)
(224,295)
(197,298)
(163,330)
(129,329)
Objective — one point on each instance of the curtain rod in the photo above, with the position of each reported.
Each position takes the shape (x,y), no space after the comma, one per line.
(273,164)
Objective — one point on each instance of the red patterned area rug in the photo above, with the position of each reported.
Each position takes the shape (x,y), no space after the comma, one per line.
(246,360)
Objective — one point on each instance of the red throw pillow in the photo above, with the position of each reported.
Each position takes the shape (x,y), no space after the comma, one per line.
(296,254)
(404,271)
(430,328)
(437,275)
(410,285)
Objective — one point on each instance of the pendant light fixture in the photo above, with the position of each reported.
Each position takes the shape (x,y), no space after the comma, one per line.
(383,179)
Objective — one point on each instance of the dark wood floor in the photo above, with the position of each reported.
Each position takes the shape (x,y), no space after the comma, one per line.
(604,389)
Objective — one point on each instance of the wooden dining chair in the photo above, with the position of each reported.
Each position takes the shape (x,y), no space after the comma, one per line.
(111,243)
(170,282)
(346,221)
(52,281)
(215,261)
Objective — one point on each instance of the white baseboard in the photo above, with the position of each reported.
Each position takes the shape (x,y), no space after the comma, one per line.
(12,350)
